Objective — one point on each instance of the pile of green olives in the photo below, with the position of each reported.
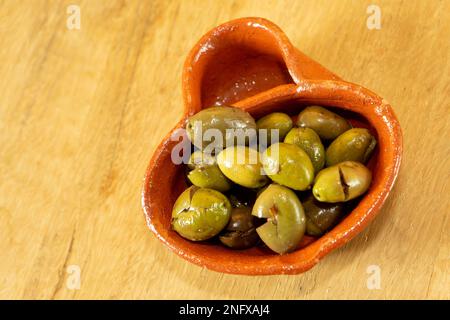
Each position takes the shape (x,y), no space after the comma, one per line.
(299,182)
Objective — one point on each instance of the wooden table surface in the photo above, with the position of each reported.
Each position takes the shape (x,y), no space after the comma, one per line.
(81,112)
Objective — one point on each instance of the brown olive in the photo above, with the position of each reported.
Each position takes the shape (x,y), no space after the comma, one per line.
(240,232)
(321,216)
(240,240)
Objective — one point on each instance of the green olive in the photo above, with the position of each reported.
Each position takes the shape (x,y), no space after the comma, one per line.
(309,141)
(209,176)
(198,158)
(321,216)
(242,165)
(342,182)
(327,124)
(285,224)
(288,165)
(240,232)
(274,121)
(200,213)
(355,144)
(230,122)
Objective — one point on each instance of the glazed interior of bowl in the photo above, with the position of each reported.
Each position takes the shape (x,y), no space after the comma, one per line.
(239,72)
(250,64)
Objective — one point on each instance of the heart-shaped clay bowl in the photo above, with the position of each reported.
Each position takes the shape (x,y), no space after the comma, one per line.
(250,63)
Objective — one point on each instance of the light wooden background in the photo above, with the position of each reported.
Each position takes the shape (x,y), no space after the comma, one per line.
(81,112)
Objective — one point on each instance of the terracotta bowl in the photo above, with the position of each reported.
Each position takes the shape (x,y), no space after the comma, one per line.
(251,64)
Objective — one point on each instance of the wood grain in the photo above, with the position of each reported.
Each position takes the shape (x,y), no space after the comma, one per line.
(81,112)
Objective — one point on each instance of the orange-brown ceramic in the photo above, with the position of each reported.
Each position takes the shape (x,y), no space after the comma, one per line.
(251,64)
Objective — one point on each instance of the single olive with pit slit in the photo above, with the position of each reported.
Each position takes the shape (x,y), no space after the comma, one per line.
(285,225)
(321,216)
(200,213)
(241,230)
(355,144)
(342,182)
